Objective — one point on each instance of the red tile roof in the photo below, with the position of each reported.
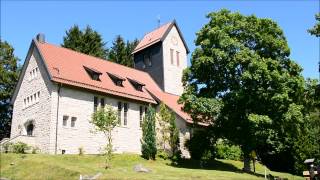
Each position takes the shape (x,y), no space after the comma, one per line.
(67,67)
(152,37)
(158,35)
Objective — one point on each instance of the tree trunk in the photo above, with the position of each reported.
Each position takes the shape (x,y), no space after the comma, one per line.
(246,162)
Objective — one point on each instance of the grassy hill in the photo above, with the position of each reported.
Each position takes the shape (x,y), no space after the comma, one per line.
(41,166)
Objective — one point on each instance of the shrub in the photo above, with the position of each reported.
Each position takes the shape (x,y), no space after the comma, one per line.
(225,150)
(200,144)
(20,148)
(81,151)
(7,147)
(162,154)
(35,150)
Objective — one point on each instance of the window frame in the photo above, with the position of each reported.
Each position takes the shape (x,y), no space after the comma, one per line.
(178,58)
(140,116)
(102,102)
(65,120)
(119,112)
(95,103)
(171,56)
(73,122)
(125,113)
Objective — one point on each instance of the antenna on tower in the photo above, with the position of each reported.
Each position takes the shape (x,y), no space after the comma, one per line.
(158,19)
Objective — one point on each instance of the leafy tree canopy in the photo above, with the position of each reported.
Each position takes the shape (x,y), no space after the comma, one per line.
(242,64)
(120,51)
(9,73)
(316,28)
(87,41)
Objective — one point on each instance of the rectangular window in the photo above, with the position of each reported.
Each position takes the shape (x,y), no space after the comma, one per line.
(125,107)
(28,102)
(36,72)
(73,121)
(178,63)
(25,103)
(31,99)
(35,97)
(102,102)
(119,112)
(39,95)
(141,116)
(65,120)
(171,56)
(95,103)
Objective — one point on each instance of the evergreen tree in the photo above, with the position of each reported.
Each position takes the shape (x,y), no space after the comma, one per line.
(121,51)
(9,73)
(118,52)
(87,41)
(148,141)
(173,136)
(164,120)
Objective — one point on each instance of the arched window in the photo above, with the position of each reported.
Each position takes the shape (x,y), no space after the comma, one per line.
(29,128)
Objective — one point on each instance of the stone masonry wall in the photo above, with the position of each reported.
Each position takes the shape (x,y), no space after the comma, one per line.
(39,111)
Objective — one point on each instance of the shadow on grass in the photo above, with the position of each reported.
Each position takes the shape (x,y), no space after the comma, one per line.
(209,165)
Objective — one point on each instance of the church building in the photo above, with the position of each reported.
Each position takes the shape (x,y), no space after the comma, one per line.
(59,89)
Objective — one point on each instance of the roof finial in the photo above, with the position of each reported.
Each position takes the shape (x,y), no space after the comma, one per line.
(158,18)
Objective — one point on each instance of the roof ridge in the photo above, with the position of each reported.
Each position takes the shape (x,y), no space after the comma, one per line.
(157,28)
(105,60)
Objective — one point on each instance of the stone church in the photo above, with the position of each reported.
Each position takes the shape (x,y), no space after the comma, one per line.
(59,89)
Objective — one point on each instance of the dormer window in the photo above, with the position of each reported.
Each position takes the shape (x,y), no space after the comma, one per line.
(93,73)
(117,80)
(136,84)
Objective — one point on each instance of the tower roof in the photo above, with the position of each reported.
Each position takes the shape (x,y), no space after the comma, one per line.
(158,35)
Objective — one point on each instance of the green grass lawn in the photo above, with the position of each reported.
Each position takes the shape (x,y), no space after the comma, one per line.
(42,166)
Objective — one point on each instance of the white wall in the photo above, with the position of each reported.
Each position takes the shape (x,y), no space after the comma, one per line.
(40,111)
(172,72)
(77,103)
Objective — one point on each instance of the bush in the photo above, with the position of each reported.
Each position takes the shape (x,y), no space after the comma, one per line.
(201,145)
(225,150)
(7,147)
(163,154)
(81,151)
(20,148)
(35,150)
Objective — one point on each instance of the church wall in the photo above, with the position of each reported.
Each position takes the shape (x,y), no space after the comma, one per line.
(38,111)
(79,104)
(173,72)
(156,68)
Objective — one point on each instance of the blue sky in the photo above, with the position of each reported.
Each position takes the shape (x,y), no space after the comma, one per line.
(22,20)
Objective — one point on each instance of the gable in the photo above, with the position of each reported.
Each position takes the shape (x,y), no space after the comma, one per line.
(33,54)
(158,35)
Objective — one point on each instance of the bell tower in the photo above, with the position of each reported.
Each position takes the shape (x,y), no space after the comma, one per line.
(163,54)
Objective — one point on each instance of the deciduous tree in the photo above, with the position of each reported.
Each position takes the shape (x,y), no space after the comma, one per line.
(105,119)
(316,28)
(9,73)
(243,63)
